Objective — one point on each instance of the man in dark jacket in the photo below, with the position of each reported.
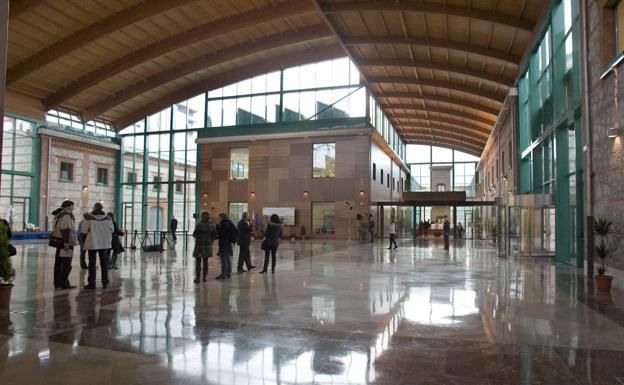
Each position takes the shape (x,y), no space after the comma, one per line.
(244,240)
(174,226)
(446,227)
(226,231)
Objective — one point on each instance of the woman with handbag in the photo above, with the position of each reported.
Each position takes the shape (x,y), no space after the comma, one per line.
(63,238)
(204,234)
(116,246)
(272,236)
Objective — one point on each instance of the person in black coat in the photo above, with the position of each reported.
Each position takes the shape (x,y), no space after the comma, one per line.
(244,240)
(446,227)
(116,246)
(173,226)
(272,236)
(226,231)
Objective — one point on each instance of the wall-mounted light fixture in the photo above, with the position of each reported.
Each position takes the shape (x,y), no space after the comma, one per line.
(306,194)
(362,193)
(505,178)
(614,132)
(85,187)
(205,195)
(253,194)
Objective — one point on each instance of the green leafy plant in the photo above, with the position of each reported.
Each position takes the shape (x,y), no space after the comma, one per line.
(602,228)
(7,273)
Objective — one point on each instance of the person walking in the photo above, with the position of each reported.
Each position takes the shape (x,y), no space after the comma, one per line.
(81,241)
(64,228)
(446,228)
(204,234)
(392,231)
(99,237)
(371,228)
(173,226)
(116,246)
(272,236)
(226,231)
(244,241)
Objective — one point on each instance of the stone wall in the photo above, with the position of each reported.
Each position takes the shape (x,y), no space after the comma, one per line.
(606,111)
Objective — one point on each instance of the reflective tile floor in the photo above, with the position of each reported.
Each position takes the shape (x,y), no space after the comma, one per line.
(330,315)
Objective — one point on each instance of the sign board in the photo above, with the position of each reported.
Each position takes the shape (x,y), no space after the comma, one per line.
(286,214)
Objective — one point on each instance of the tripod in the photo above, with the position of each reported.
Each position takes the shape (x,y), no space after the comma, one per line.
(135,236)
(163,236)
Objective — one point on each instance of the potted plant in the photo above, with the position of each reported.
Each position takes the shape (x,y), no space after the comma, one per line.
(602,228)
(302,230)
(7,273)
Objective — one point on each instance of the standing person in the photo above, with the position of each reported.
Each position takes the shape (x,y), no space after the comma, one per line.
(173,226)
(99,231)
(64,228)
(116,246)
(272,236)
(392,231)
(446,228)
(204,234)
(371,227)
(226,231)
(81,241)
(244,240)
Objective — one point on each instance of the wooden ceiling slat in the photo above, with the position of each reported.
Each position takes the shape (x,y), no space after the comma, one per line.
(448,143)
(18,7)
(213,58)
(497,98)
(253,69)
(433,98)
(424,132)
(91,33)
(494,78)
(439,43)
(451,114)
(484,132)
(220,27)
(440,9)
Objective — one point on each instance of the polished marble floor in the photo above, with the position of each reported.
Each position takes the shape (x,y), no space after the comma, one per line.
(330,315)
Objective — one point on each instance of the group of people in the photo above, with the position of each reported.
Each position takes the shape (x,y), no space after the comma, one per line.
(228,234)
(97,235)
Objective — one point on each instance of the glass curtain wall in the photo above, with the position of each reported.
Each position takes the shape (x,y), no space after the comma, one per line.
(421,159)
(317,91)
(385,128)
(550,127)
(157,166)
(17,205)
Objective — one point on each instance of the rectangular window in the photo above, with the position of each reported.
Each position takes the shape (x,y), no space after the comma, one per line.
(510,152)
(67,172)
(131,177)
(388,180)
(239,163)
(374,171)
(323,214)
(157,183)
(393,183)
(102,176)
(619,26)
(236,210)
(324,160)
(179,187)
(381,175)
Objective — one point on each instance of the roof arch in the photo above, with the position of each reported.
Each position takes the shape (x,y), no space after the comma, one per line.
(433,62)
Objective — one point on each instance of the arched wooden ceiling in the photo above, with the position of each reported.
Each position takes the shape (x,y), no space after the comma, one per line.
(440,69)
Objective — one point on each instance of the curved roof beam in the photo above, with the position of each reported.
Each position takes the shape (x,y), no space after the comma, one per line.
(89,34)
(493,96)
(205,31)
(447,128)
(229,77)
(428,131)
(455,101)
(452,114)
(493,78)
(214,58)
(391,5)
(456,145)
(468,128)
(438,43)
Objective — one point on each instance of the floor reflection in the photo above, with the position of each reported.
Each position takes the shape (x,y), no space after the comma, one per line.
(330,315)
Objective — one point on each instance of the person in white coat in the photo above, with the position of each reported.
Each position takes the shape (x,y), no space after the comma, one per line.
(98,228)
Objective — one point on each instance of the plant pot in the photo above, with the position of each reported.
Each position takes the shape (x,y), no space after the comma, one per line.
(603,283)
(5,295)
